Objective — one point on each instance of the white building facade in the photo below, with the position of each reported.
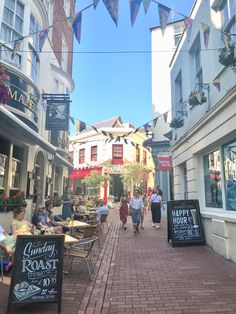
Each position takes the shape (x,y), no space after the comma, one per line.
(27,150)
(204,143)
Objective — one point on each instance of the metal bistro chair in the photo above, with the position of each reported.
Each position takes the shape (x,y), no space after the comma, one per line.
(96,223)
(88,232)
(83,251)
(103,221)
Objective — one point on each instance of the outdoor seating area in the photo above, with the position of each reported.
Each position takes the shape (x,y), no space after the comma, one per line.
(82,233)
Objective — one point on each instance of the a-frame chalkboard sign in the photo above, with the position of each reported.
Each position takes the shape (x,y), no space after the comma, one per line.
(37,270)
(184,222)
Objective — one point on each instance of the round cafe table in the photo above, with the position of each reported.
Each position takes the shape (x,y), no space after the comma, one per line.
(73,224)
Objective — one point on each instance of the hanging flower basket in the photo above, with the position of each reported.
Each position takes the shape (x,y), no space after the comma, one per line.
(4,79)
(227,55)
(177,123)
(196,98)
(9,203)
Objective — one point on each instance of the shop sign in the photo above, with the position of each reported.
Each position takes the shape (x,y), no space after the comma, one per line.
(37,270)
(165,163)
(57,115)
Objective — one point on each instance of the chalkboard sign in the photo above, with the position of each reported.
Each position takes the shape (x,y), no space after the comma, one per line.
(184,222)
(37,270)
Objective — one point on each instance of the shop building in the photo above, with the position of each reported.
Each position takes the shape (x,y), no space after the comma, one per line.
(204,144)
(163,48)
(29,152)
(94,151)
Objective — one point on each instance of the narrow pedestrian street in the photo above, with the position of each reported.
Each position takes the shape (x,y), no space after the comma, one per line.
(143,274)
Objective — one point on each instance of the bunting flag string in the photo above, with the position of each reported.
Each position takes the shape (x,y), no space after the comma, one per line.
(42,37)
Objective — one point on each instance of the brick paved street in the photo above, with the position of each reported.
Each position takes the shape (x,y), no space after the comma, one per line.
(144,274)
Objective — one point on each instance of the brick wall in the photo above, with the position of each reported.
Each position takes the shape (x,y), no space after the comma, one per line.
(62,27)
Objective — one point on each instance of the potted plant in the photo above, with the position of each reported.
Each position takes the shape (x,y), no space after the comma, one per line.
(226,55)
(16,200)
(196,98)
(4,200)
(177,123)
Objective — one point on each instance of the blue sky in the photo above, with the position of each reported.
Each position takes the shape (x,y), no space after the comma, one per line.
(110,84)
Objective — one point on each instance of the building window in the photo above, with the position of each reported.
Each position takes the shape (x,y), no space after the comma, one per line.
(13,20)
(94,153)
(212,178)
(117,154)
(137,155)
(32,55)
(144,157)
(56,179)
(196,64)
(227,12)
(64,54)
(179,94)
(66,6)
(3,165)
(81,156)
(177,34)
(229,159)
(15,174)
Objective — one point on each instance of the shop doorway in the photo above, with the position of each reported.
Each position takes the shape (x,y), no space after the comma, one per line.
(39,177)
(116,187)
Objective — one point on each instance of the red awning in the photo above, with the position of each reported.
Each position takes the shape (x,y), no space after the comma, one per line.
(82,173)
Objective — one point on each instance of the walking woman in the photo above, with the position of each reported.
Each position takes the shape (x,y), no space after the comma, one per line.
(136,207)
(124,208)
(156,204)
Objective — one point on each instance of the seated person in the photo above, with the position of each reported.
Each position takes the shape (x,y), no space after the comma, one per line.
(49,211)
(7,242)
(42,220)
(19,225)
(102,209)
(80,210)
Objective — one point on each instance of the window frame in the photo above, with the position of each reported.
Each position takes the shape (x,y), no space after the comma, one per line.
(94,156)
(145,157)
(117,160)
(137,155)
(81,155)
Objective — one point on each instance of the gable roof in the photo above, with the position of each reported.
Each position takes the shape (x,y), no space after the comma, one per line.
(108,123)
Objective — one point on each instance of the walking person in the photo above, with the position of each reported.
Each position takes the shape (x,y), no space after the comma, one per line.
(156,204)
(136,207)
(144,210)
(124,209)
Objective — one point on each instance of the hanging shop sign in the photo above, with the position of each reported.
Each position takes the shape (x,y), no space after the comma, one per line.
(184,222)
(164,163)
(57,112)
(37,270)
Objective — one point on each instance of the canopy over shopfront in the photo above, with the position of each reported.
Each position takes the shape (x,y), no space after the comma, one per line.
(82,173)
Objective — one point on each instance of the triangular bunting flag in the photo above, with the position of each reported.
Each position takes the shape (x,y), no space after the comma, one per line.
(146,4)
(111,135)
(185,104)
(95,3)
(16,48)
(44,104)
(76,25)
(136,130)
(104,133)
(163,15)
(206,34)
(188,26)
(42,37)
(112,7)
(106,140)
(165,116)
(216,83)
(146,127)
(72,119)
(134,8)
(80,126)
(125,140)
(118,139)
(95,129)
(132,143)
(155,122)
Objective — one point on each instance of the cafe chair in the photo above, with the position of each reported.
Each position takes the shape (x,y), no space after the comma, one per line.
(87,232)
(83,252)
(96,223)
(103,221)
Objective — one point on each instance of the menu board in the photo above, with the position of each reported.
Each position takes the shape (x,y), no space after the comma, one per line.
(184,222)
(37,270)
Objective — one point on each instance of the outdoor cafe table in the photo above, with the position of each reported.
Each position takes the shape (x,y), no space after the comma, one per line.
(70,240)
(73,224)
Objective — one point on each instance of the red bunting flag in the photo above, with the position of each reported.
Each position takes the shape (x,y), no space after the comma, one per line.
(206,34)
(134,8)
(164,13)
(112,7)
(76,25)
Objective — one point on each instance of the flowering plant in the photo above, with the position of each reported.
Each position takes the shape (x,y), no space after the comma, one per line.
(4,79)
(196,98)
(4,199)
(18,198)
